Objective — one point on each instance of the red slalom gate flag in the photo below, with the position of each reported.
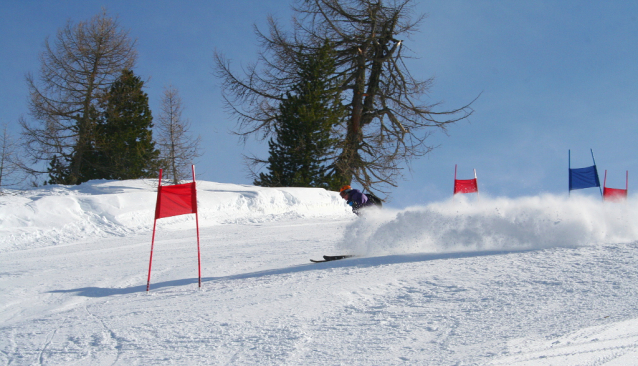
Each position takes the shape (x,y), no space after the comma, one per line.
(465,185)
(615,194)
(176,200)
(179,199)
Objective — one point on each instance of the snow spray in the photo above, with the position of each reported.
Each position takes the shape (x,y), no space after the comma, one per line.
(460,225)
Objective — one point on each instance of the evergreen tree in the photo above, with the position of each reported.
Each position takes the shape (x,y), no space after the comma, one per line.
(303,148)
(124,146)
(58,171)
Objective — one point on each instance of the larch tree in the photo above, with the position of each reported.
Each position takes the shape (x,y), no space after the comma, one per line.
(10,167)
(388,120)
(178,148)
(76,69)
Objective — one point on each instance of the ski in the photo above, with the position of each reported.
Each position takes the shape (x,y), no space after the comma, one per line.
(328,258)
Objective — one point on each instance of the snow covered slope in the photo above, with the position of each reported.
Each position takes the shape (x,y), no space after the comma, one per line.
(530,281)
(59,214)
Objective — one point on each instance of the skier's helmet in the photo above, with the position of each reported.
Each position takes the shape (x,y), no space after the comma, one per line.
(343,192)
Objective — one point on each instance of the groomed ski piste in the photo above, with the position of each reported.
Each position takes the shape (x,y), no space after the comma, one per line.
(539,280)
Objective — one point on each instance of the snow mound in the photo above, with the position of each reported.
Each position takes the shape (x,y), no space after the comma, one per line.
(61,214)
(493,224)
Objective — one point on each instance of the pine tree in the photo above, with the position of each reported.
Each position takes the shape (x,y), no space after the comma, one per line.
(58,171)
(301,153)
(124,146)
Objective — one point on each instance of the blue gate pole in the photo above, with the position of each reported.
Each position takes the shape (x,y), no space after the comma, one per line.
(569,172)
(596,170)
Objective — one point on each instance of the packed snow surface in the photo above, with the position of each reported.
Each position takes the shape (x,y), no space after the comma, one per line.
(543,280)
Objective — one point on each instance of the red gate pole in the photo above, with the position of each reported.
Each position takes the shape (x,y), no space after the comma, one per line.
(454,180)
(150,261)
(476,181)
(199,260)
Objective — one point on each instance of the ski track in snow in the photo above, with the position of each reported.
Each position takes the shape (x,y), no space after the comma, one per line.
(531,281)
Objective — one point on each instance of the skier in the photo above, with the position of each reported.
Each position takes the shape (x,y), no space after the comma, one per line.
(357,199)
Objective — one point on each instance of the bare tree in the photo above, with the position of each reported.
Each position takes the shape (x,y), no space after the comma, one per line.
(10,172)
(76,69)
(388,120)
(178,149)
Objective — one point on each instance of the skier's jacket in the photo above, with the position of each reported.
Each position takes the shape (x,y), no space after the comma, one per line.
(358,200)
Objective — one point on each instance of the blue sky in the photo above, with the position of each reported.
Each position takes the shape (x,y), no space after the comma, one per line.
(554,75)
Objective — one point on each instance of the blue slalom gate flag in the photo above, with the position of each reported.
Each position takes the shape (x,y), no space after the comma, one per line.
(583,178)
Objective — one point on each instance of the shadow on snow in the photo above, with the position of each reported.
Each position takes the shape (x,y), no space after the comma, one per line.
(359,262)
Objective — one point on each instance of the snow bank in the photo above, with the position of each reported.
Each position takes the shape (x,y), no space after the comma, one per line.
(61,214)
(493,224)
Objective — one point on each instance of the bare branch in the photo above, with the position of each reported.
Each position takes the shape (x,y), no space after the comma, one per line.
(76,68)
(389,120)
(178,149)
